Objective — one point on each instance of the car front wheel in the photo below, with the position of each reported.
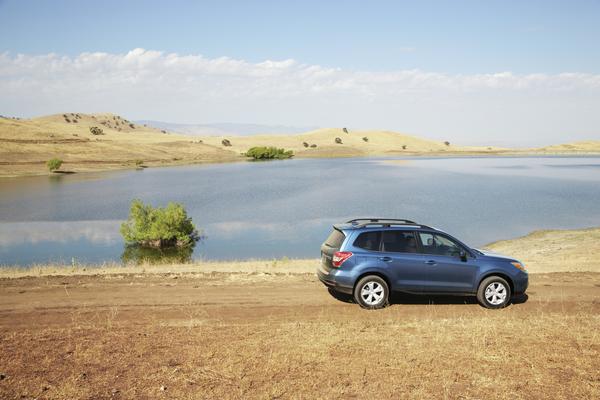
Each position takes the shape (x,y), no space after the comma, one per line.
(371,292)
(494,292)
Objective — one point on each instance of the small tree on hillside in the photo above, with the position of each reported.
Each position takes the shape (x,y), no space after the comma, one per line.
(447,143)
(338,140)
(94,130)
(54,164)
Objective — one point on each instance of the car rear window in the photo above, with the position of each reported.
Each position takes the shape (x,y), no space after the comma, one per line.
(399,242)
(368,240)
(335,239)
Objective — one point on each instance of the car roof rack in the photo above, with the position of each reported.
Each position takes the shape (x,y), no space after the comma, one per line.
(357,220)
(384,222)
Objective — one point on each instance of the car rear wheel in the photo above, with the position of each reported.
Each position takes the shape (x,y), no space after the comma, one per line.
(494,292)
(371,292)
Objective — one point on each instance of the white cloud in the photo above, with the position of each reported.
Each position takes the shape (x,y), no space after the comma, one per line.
(193,88)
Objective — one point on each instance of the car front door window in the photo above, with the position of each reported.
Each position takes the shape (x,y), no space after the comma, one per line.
(439,245)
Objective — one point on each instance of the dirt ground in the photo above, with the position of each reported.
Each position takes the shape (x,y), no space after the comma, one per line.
(268,336)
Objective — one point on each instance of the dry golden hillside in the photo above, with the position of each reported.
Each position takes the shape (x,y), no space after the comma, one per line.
(575,250)
(26,144)
(588,146)
(322,143)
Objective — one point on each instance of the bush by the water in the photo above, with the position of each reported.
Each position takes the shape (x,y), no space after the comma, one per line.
(54,164)
(269,153)
(158,227)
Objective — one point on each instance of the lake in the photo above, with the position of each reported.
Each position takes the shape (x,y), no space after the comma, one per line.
(256,210)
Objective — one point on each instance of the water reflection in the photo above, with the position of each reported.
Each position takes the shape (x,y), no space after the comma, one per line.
(271,210)
(95,232)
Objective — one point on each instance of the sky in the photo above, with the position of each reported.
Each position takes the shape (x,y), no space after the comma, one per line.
(472,72)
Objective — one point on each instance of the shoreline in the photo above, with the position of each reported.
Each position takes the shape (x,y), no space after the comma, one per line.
(542,251)
(79,167)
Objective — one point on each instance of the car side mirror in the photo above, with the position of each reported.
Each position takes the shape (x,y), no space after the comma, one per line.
(463,255)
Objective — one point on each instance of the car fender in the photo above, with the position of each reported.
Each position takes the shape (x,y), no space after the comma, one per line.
(372,268)
(494,271)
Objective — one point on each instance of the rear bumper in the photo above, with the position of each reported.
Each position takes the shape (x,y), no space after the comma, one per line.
(330,281)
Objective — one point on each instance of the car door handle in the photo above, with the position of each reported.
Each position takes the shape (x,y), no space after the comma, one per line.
(431,262)
(386,259)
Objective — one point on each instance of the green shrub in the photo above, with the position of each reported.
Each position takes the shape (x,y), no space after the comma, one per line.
(139,163)
(135,254)
(338,140)
(365,139)
(269,153)
(226,142)
(54,164)
(447,143)
(158,227)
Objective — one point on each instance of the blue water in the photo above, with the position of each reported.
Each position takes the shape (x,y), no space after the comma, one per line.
(286,208)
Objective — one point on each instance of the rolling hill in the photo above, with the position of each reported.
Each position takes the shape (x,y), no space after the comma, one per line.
(26,144)
(93,142)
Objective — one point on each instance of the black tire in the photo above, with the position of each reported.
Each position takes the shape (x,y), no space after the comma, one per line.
(493,299)
(378,296)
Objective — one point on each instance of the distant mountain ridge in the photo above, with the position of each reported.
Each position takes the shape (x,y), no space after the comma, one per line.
(226,128)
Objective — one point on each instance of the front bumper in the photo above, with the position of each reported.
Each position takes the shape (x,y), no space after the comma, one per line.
(521,283)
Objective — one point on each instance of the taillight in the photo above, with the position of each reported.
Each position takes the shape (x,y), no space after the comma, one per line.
(339,257)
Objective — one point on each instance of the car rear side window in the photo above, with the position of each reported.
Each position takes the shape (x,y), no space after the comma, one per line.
(368,240)
(335,239)
(399,242)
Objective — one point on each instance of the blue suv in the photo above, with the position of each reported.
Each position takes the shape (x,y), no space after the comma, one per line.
(369,257)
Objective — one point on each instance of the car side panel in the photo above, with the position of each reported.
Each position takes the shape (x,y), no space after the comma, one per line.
(450,274)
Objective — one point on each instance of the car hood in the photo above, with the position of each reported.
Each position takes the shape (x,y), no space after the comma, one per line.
(495,255)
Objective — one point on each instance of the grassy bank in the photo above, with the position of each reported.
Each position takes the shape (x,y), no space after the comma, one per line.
(575,250)
(269,329)
(542,252)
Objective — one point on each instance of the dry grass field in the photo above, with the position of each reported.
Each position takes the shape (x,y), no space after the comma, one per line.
(555,250)
(269,329)
(26,145)
(379,143)
(587,146)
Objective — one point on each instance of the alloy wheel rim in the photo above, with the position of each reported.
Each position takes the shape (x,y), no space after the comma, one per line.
(495,293)
(372,293)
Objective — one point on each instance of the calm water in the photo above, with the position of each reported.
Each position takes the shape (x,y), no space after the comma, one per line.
(286,208)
